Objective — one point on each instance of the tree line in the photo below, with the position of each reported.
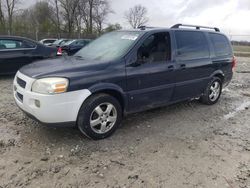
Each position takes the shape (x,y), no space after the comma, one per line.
(63,18)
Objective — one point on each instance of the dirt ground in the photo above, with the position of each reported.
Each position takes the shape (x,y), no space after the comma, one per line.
(187,145)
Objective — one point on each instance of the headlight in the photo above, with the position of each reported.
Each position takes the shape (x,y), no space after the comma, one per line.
(50,85)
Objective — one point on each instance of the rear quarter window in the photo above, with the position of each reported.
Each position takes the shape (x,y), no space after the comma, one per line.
(48,41)
(191,45)
(8,44)
(221,44)
(15,44)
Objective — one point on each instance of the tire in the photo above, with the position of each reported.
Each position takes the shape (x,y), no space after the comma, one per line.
(99,116)
(211,96)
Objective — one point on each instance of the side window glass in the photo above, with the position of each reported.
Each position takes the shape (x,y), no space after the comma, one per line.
(156,48)
(191,45)
(221,44)
(10,44)
(48,41)
(15,44)
(82,42)
(28,44)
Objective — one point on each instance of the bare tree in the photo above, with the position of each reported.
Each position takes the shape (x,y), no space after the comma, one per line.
(93,13)
(69,10)
(137,16)
(83,15)
(10,6)
(91,5)
(56,4)
(81,18)
(41,15)
(2,18)
(88,14)
(101,10)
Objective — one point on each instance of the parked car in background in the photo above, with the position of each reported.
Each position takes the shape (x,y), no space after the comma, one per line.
(73,46)
(59,42)
(125,72)
(18,51)
(47,42)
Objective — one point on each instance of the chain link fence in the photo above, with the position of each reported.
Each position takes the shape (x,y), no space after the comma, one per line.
(40,36)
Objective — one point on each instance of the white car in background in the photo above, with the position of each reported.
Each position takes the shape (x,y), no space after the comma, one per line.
(48,42)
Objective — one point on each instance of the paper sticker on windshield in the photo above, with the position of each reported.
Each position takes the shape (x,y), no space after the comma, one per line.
(129,37)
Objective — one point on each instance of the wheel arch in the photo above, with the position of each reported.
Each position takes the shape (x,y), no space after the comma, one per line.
(111,89)
(219,74)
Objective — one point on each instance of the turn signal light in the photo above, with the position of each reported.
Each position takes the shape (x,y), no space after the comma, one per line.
(60,88)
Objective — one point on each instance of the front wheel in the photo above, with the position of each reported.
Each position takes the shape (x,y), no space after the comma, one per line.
(213,92)
(99,116)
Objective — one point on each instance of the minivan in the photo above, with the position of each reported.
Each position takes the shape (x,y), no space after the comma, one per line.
(124,72)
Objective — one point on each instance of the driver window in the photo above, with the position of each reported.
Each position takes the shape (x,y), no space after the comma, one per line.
(156,48)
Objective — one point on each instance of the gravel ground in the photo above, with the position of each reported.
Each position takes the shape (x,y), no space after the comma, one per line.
(187,145)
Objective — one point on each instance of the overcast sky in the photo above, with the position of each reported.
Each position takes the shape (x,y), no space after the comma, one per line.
(232,16)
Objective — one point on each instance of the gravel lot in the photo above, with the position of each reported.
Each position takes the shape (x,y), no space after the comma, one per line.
(183,145)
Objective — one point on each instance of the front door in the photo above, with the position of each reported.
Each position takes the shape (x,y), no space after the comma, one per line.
(150,73)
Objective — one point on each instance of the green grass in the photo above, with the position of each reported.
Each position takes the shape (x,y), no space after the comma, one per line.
(241,51)
(241,48)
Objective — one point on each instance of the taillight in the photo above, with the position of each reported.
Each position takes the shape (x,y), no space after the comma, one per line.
(234,63)
(59,51)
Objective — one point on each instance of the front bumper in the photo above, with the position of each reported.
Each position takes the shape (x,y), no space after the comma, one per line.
(58,109)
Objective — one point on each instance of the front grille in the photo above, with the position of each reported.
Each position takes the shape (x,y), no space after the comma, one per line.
(19,96)
(21,82)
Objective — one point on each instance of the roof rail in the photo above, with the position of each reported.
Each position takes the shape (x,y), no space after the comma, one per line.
(198,27)
(143,27)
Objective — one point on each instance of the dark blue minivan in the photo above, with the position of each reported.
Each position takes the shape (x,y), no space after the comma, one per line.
(125,72)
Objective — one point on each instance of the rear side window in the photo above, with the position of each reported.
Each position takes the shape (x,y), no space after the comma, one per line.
(221,44)
(15,44)
(80,42)
(48,41)
(191,45)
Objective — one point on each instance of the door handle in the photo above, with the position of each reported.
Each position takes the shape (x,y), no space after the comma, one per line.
(183,66)
(171,67)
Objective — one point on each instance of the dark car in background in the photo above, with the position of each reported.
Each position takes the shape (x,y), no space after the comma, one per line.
(16,52)
(73,46)
(59,42)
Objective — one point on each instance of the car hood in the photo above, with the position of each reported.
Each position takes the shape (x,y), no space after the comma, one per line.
(62,67)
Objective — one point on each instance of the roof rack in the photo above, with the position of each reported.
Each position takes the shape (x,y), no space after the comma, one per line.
(196,26)
(143,27)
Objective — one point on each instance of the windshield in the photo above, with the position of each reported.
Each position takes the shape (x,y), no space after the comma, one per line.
(69,42)
(109,46)
(58,41)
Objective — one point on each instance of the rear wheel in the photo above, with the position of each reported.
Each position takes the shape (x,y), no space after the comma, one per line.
(213,92)
(99,116)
